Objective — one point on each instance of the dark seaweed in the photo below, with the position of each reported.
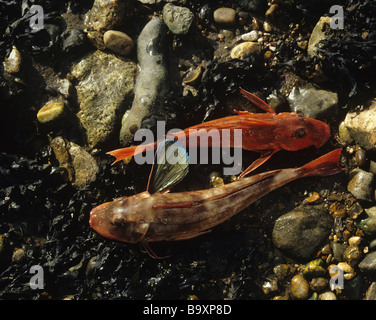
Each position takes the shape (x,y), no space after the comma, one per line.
(43,214)
(349,56)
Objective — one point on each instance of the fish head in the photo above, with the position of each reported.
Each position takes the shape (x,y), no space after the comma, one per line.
(295,132)
(114,220)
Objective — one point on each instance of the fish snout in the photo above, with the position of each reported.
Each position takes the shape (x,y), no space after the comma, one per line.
(98,217)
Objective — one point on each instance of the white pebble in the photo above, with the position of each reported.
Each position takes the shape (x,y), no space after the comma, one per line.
(250,36)
(267,26)
(327,296)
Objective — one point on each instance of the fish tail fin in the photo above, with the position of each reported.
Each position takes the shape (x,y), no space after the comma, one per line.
(124,153)
(326,165)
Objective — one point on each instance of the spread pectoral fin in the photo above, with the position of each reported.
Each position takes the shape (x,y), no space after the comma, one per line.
(255,164)
(171,165)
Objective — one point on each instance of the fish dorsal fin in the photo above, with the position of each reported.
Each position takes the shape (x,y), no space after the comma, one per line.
(257,101)
(171,165)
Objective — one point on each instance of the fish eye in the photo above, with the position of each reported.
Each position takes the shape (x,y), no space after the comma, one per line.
(300,133)
(118,221)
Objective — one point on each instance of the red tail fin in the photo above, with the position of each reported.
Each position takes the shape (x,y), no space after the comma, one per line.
(124,153)
(326,165)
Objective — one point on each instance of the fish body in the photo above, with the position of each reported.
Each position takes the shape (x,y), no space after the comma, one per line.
(266,133)
(185,215)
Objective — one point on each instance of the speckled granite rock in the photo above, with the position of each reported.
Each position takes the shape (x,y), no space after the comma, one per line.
(105,88)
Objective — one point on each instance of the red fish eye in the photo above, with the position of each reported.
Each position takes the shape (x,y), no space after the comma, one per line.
(300,133)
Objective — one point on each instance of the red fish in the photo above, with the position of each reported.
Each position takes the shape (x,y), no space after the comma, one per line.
(266,133)
(161,216)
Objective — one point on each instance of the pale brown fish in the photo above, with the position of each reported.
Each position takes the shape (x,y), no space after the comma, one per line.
(149,217)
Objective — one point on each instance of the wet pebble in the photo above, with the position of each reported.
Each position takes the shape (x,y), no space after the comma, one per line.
(215,180)
(152,81)
(193,76)
(118,42)
(318,34)
(80,165)
(372,245)
(250,36)
(371,292)
(245,49)
(225,17)
(299,287)
(60,148)
(313,102)
(338,249)
(282,271)
(314,268)
(326,249)
(347,270)
(338,210)
(360,157)
(318,284)
(256,23)
(314,198)
(12,63)
(372,167)
(267,27)
(355,210)
(328,295)
(355,240)
(270,286)
(105,15)
(18,255)
(344,134)
(368,225)
(353,287)
(51,112)
(361,124)
(368,264)
(206,14)
(66,88)
(352,255)
(178,19)
(100,110)
(290,232)
(228,34)
(85,166)
(74,41)
(361,184)
(272,11)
